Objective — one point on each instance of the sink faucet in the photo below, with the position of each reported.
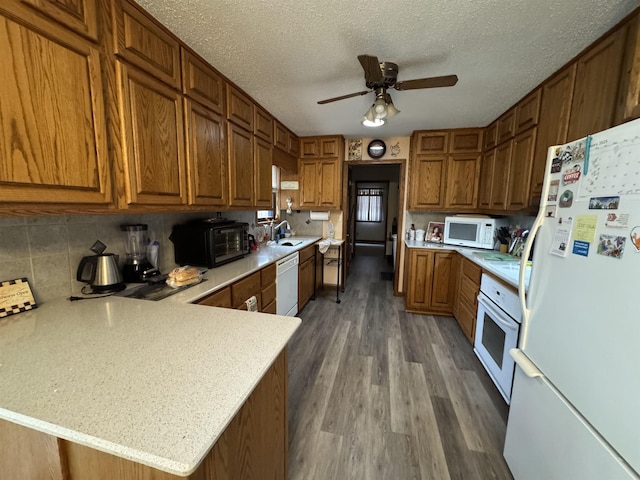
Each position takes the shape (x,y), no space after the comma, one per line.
(274,228)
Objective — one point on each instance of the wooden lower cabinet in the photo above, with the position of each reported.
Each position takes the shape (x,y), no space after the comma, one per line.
(431,279)
(221,298)
(466,301)
(252,447)
(306,275)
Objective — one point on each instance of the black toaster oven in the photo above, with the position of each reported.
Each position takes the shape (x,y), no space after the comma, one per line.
(209,242)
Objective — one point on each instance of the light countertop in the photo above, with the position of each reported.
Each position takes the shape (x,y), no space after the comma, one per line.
(507,271)
(152,382)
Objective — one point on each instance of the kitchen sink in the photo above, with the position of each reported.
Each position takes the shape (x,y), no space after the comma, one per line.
(155,291)
(290,243)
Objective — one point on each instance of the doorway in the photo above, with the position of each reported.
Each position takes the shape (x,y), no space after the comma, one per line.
(373,213)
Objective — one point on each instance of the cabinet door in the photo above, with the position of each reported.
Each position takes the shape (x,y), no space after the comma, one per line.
(502,162)
(263,124)
(506,126)
(462,181)
(202,83)
(146,44)
(240,151)
(263,152)
(240,108)
(466,141)
(420,272)
(527,112)
(53,141)
(305,282)
(79,15)
(206,155)
(329,147)
(520,170)
(427,182)
(490,135)
(445,270)
(555,107)
(280,136)
(309,183)
(486,179)
(309,148)
(221,298)
(330,190)
(294,144)
(597,78)
(430,143)
(152,123)
(630,87)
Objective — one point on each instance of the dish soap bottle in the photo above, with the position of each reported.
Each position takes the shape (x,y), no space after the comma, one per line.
(331,228)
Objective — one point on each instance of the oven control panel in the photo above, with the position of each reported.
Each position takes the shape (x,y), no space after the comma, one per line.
(504,297)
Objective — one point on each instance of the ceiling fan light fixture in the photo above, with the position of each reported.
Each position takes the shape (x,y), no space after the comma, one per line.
(372,119)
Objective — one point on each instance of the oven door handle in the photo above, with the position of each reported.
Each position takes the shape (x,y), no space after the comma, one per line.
(497,315)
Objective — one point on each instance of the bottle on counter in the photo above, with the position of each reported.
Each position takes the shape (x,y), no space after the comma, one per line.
(412,232)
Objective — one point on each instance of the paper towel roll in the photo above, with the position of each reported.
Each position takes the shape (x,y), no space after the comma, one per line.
(252,304)
(319,216)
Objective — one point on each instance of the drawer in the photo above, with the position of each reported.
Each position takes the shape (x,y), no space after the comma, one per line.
(270,308)
(471,270)
(467,321)
(269,294)
(268,276)
(245,288)
(221,298)
(468,293)
(306,253)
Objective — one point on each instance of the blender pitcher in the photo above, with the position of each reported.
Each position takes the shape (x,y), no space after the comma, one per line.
(137,268)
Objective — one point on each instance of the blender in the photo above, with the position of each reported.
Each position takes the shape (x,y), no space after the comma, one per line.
(137,268)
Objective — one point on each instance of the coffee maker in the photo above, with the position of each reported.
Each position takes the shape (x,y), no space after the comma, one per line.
(137,268)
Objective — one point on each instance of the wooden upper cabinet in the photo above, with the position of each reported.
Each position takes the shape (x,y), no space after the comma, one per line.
(308,170)
(596,88)
(241,166)
(145,43)
(309,148)
(294,144)
(486,179)
(630,85)
(154,150)
(462,181)
(280,136)
(202,83)
(263,155)
(491,136)
(330,188)
(427,143)
(53,140)
(240,108)
(329,147)
(320,147)
(527,112)
(520,170)
(555,107)
(427,182)
(206,155)
(506,126)
(499,185)
(263,124)
(79,15)
(466,141)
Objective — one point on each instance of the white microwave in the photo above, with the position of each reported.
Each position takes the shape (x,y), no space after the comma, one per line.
(475,232)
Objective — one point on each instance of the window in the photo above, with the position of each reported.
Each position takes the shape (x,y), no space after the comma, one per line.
(265,216)
(369,205)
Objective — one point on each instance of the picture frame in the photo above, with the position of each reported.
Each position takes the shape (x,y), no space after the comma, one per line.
(435,232)
(15,297)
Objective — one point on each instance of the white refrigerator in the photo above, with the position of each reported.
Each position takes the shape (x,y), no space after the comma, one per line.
(575,406)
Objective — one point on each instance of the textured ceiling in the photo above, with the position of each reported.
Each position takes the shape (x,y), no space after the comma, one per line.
(288,54)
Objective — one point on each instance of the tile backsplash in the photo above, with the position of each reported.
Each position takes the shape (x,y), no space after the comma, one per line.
(47,250)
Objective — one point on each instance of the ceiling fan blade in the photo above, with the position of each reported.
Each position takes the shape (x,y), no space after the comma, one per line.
(431,82)
(335,99)
(371,66)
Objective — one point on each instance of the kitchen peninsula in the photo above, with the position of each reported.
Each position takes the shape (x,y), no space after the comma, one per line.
(107,387)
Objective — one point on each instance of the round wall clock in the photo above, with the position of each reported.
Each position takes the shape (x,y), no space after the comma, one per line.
(376,148)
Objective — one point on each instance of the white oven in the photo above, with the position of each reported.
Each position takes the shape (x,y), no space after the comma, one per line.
(497,330)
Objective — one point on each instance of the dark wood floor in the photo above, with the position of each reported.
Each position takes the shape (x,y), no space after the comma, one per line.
(377,393)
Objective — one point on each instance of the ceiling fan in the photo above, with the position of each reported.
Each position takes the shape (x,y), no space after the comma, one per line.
(380,76)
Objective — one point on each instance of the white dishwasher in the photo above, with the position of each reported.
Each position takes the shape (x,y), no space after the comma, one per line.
(287,285)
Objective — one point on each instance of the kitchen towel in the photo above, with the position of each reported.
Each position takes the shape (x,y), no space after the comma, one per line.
(252,304)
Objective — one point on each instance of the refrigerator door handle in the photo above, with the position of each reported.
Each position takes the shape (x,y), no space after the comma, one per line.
(527,366)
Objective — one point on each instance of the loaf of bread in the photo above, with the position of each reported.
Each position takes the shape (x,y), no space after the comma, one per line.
(182,274)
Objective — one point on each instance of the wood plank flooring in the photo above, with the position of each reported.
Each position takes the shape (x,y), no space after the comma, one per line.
(377,393)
